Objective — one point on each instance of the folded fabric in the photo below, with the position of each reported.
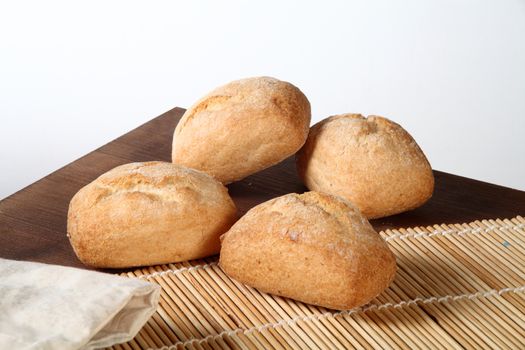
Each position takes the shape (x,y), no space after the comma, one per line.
(54,307)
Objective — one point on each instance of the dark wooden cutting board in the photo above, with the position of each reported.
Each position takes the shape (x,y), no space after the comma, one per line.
(33,220)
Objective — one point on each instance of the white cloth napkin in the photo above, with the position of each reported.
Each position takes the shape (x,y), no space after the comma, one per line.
(55,307)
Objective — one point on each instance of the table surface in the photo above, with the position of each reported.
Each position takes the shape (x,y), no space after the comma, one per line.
(33,220)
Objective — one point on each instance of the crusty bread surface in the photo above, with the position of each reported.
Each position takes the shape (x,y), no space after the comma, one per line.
(312,247)
(148,213)
(242,127)
(373,162)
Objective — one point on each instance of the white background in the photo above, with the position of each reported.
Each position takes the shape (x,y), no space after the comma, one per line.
(74,75)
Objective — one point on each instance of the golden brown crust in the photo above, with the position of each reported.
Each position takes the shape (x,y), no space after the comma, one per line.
(149,213)
(242,127)
(373,162)
(313,247)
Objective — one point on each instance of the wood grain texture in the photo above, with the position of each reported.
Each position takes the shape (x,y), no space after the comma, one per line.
(33,220)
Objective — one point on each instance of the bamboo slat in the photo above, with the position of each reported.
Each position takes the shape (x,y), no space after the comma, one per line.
(457,286)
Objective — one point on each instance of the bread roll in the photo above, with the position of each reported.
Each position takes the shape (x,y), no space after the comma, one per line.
(373,162)
(242,127)
(148,213)
(313,247)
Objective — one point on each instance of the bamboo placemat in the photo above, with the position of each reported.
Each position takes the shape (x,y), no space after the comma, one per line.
(457,286)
